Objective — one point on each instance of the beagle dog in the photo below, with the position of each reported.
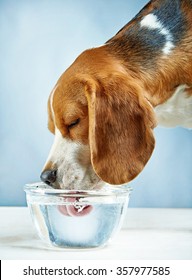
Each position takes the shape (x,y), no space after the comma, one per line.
(104,107)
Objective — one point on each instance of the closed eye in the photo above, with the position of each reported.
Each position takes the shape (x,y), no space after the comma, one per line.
(72,124)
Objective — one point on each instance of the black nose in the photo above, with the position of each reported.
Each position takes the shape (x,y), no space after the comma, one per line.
(48,176)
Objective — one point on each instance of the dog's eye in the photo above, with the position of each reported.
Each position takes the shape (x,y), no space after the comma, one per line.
(74,123)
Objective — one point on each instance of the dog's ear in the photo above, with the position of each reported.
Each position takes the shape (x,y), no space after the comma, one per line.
(120,129)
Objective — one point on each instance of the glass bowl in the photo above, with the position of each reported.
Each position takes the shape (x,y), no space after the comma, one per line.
(77,218)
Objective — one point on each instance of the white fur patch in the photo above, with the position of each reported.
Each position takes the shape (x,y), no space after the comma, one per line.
(177,110)
(61,148)
(72,172)
(51,102)
(151,21)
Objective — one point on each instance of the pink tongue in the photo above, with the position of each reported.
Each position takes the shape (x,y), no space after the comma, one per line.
(72,210)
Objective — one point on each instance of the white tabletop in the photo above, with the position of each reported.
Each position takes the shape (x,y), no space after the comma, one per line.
(146,234)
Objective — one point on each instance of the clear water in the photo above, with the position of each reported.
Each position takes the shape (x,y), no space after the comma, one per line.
(91,230)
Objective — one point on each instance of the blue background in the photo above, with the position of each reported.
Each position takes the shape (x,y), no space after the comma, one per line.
(38,41)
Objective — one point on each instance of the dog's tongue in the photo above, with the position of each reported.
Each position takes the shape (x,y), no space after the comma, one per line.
(73,209)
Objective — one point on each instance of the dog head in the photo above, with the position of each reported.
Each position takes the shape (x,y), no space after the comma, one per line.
(102,124)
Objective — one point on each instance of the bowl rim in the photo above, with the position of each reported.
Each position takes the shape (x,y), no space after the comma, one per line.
(41,188)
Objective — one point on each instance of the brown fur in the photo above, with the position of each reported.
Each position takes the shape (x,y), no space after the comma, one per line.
(114,99)
(120,129)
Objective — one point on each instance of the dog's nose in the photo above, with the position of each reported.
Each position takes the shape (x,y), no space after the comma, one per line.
(48,176)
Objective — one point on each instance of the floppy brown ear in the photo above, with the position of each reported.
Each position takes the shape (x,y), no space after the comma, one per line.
(120,129)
